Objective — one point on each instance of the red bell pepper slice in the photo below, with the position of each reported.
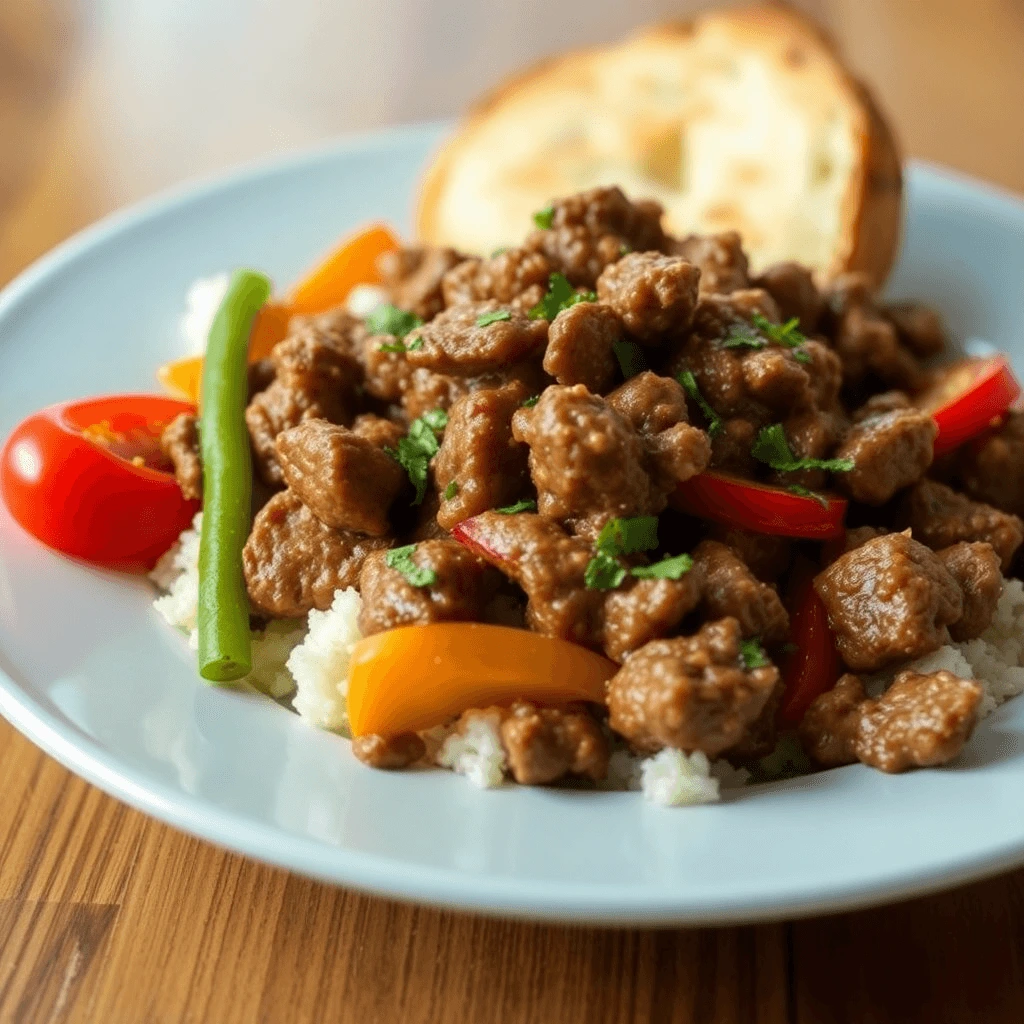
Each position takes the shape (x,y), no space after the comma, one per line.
(813,666)
(971,395)
(752,506)
(88,479)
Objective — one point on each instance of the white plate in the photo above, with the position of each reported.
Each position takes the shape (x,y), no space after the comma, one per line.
(93,677)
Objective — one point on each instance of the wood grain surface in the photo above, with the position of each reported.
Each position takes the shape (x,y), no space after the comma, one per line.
(107,916)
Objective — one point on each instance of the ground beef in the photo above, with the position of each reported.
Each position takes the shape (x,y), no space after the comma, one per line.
(792,287)
(889,451)
(580,346)
(413,277)
(645,610)
(883,402)
(454,342)
(861,535)
(992,470)
(180,443)
(346,481)
(730,447)
(656,409)
(463,586)
(919,328)
(869,346)
(378,431)
(260,376)
(549,565)
(505,277)
(767,555)
(921,720)
(545,744)
(939,516)
(389,752)
(692,693)
(293,562)
(730,589)
(426,390)
(595,228)
(387,373)
(479,456)
(720,259)
(587,462)
(652,294)
(975,567)
(812,435)
(888,600)
(314,380)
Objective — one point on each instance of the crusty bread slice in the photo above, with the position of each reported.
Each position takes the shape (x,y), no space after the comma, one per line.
(743,119)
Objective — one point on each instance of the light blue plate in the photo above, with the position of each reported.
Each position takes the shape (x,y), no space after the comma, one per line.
(92,676)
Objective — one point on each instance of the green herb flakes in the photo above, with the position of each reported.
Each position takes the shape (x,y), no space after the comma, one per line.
(450,491)
(544,218)
(752,654)
(806,492)
(560,295)
(400,559)
(689,383)
(631,358)
(418,447)
(388,319)
(603,572)
(520,506)
(628,536)
(772,448)
(531,401)
(667,569)
(486,319)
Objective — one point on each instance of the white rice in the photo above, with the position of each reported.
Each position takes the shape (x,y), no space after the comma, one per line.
(994,659)
(202,301)
(476,750)
(177,573)
(271,649)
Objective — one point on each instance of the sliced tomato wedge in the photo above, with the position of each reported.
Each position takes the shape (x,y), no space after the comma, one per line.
(89,479)
(747,505)
(814,665)
(970,396)
(415,677)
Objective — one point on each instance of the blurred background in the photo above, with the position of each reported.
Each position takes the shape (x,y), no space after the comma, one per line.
(105,101)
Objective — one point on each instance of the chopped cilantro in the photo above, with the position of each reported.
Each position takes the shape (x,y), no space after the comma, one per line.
(772,448)
(806,492)
(388,319)
(418,447)
(788,335)
(689,383)
(603,572)
(519,506)
(400,559)
(801,355)
(486,319)
(628,536)
(741,336)
(631,358)
(394,347)
(450,491)
(667,569)
(560,295)
(497,252)
(752,653)
(544,218)
(531,401)
(625,250)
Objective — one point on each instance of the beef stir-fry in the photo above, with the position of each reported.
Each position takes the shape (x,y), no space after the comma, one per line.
(629,441)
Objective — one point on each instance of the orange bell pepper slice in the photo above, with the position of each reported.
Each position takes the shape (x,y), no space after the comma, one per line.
(415,677)
(352,263)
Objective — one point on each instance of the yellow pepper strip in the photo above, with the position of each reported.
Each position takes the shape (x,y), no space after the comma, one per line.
(352,263)
(416,677)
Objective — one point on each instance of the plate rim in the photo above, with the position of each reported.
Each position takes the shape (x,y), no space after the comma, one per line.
(378,874)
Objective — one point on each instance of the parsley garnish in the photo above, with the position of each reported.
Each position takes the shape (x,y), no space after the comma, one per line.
(619,537)
(486,319)
(418,447)
(752,654)
(531,401)
(624,250)
(787,335)
(399,347)
(544,218)
(388,319)
(772,448)
(631,358)
(450,491)
(666,569)
(689,383)
(604,572)
(741,336)
(519,506)
(806,492)
(560,295)
(400,559)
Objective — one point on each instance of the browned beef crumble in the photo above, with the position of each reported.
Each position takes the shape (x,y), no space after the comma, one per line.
(544,745)
(389,752)
(180,443)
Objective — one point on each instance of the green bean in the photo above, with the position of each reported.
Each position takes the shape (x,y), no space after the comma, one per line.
(225,648)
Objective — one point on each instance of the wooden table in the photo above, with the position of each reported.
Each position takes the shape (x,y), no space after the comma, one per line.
(107,916)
